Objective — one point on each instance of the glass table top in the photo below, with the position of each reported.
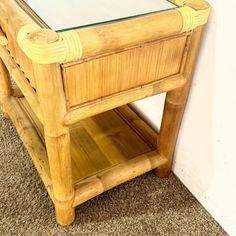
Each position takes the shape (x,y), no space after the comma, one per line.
(60,15)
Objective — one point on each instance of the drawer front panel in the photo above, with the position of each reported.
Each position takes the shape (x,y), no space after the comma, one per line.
(118,72)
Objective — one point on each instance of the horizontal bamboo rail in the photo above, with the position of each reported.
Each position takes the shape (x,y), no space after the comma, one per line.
(18,76)
(119,174)
(110,102)
(109,37)
(30,139)
(73,45)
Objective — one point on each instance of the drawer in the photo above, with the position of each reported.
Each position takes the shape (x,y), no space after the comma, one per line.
(106,75)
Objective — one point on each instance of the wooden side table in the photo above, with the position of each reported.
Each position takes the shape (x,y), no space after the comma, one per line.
(73,84)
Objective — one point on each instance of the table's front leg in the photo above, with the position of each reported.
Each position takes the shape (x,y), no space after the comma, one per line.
(174,108)
(58,150)
(57,138)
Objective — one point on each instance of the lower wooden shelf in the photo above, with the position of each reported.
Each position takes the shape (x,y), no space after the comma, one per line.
(109,148)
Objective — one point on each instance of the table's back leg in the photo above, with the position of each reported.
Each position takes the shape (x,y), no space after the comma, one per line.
(174,108)
(5,85)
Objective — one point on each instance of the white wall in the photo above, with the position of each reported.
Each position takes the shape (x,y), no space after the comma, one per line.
(205,159)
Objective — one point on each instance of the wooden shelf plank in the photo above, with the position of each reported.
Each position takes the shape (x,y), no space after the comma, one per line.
(107,179)
(103,141)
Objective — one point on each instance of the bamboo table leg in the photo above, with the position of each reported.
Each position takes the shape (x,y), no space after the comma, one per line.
(174,108)
(58,149)
(5,85)
(57,139)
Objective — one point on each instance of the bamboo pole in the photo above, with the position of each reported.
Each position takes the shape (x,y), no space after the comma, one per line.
(109,37)
(57,139)
(119,174)
(174,108)
(81,43)
(110,102)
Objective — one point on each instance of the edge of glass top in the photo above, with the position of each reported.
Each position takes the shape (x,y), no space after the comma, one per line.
(62,29)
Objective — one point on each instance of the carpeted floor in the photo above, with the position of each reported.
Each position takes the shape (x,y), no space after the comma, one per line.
(145,206)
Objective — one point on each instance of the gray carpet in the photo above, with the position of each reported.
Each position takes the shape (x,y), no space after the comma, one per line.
(145,206)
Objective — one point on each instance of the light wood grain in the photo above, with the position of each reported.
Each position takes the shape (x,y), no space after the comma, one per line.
(122,71)
(91,156)
(174,108)
(79,145)
(101,38)
(138,124)
(21,81)
(103,141)
(57,138)
(38,126)
(110,102)
(100,142)
(3,39)
(11,20)
(30,139)
(110,37)
(119,174)
(5,85)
